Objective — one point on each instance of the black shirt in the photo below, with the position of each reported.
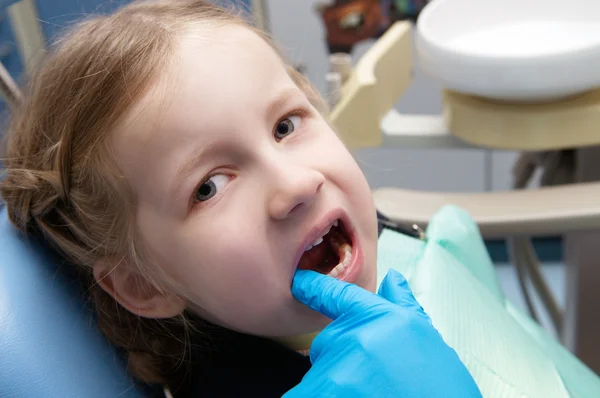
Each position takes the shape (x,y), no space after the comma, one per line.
(244,366)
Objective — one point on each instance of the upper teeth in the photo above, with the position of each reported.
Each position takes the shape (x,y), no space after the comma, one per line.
(319,240)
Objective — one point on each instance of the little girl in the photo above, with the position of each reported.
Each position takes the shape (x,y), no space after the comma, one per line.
(170,154)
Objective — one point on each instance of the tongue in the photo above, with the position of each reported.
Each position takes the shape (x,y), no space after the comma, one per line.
(316,255)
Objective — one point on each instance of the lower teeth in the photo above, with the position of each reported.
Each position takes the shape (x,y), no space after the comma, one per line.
(344,251)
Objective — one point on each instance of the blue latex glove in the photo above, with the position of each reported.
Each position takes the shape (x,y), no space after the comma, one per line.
(378,345)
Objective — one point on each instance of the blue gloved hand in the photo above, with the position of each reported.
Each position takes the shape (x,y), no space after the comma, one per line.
(377,345)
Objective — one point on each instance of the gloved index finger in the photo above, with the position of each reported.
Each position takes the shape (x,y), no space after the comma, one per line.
(395,289)
(330,296)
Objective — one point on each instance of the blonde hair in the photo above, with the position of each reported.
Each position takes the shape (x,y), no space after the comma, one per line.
(61,181)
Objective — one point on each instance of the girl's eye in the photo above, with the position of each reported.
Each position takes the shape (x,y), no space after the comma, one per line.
(211,187)
(287,126)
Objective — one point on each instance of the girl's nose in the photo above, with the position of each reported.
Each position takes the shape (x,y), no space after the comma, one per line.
(294,188)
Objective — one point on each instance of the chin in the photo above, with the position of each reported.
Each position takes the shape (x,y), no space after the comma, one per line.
(309,321)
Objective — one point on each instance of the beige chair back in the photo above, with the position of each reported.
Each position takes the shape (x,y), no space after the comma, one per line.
(381,76)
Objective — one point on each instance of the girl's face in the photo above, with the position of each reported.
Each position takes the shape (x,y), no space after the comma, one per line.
(236,175)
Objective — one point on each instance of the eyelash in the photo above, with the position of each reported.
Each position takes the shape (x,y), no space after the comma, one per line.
(195,202)
(301,113)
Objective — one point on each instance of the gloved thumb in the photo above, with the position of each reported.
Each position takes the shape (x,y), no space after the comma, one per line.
(330,296)
(395,289)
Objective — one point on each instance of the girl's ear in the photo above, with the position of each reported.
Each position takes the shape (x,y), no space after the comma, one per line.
(130,289)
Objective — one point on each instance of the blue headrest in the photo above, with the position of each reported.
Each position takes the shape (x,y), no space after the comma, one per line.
(49,345)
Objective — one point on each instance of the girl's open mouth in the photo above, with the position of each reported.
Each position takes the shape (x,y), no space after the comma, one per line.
(330,254)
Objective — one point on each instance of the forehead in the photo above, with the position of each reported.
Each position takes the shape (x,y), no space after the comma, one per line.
(212,63)
(225,61)
(215,74)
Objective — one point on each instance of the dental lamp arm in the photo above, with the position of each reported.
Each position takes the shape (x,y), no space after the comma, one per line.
(543,211)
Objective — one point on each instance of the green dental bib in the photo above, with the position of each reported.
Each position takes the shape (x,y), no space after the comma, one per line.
(453,278)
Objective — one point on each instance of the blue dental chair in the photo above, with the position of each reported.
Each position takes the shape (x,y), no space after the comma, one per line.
(49,344)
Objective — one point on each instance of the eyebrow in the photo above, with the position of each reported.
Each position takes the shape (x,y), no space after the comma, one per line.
(282,99)
(195,159)
(184,170)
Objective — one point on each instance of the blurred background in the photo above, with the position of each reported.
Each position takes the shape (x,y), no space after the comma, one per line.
(301,32)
